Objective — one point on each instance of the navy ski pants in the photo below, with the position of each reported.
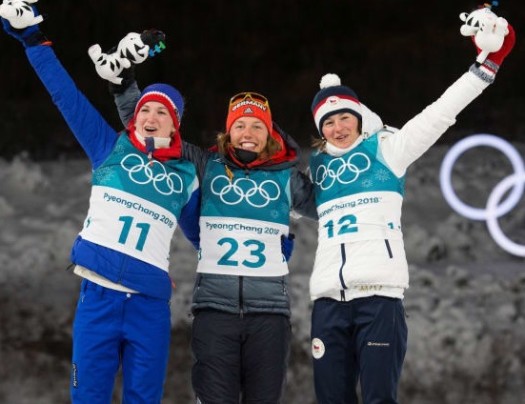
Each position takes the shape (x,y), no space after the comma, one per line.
(239,359)
(116,329)
(362,340)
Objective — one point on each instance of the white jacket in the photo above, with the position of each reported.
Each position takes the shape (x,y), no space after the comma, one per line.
(372,261)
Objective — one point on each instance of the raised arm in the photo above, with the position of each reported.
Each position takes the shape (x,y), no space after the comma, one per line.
(93,133)
(118,68)
(405,146)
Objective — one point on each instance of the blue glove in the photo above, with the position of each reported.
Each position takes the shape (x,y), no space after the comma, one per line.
(29,36)
(287,245)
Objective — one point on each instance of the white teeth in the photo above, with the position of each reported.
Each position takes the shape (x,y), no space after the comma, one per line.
(248,145)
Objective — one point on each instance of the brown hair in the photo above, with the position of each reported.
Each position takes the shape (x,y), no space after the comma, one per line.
(319,143)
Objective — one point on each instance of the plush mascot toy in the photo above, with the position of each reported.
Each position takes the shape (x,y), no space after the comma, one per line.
(133,49)
(19,13)
(107,66)
(487,28)
(138,47)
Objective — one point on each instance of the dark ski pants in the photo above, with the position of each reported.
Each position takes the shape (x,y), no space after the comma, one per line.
(239,359)
(115,329)
(361,340)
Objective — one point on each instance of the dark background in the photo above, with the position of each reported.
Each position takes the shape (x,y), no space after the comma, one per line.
(398,56)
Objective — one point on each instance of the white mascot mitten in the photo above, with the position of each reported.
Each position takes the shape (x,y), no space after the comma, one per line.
(138,47)
(487,28)
(107,66)
(19,13)
(132,48)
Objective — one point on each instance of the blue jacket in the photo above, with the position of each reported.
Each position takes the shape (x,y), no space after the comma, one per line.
(135,205)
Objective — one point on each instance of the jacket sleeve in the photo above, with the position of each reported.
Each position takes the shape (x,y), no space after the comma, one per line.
(189,219)
(93,133)
(303,196)
(126,102)
(197,155)
(408,144)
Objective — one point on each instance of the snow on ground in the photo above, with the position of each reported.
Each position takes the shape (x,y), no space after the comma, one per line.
(465,305)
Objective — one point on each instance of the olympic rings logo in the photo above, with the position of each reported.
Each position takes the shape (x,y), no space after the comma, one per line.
(494,209)
(233,193)
(142,172)
(344,172)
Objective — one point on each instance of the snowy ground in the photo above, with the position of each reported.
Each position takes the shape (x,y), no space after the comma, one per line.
(465,305)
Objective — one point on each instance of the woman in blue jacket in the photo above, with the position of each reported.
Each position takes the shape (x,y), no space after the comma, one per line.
(141,191)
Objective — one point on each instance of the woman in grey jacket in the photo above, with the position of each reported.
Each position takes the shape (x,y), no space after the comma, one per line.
(250,184)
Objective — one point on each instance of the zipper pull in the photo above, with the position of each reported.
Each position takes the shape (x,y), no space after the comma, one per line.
(150,148)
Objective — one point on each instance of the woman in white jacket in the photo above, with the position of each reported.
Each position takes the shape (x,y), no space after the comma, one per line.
(360,273)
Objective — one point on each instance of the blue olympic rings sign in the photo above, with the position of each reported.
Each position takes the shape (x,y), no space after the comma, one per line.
(494,209)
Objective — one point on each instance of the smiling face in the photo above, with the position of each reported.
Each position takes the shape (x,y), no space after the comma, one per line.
(249,133)
(154,120)
(341,130)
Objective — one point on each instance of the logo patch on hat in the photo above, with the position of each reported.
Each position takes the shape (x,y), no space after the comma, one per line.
(318,348)
(333,100)
(248,111)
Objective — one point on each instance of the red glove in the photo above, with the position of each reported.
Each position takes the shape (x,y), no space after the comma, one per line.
(508,43)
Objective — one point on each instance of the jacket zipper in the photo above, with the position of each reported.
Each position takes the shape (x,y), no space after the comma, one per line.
(343,262)
(341,279)
(241,302)
(390,255)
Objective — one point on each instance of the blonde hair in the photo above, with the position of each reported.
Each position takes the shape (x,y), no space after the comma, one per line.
(272,146)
